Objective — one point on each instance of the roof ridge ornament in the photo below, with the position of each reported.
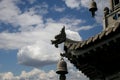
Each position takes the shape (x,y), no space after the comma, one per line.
(60,38)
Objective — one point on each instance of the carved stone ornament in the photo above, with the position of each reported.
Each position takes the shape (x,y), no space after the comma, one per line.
(60,38)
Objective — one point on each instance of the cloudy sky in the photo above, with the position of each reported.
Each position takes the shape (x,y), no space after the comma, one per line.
(26,28)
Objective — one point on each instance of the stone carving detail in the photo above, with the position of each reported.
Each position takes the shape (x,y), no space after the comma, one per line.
(60,38)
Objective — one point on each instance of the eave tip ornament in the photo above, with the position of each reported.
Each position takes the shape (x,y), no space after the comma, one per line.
(59,38)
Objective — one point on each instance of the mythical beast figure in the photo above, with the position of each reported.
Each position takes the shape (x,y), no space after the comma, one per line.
(59,38)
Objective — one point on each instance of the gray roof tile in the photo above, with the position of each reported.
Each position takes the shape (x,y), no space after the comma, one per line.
(80,44)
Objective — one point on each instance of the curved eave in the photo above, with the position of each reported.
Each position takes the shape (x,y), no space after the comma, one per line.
(96,54)
(105,36)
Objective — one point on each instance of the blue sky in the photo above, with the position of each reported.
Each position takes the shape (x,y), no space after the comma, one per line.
(26,28)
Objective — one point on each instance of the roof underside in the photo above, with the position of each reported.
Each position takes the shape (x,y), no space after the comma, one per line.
(98,56)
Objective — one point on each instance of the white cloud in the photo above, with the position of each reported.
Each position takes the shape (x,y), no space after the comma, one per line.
(84,28)
(27,20)
(77,4)
(37,74)
(85,3)
(8,11)
(73,3)
(43,52)
(101,4)
(34,46)
(59,9)
(38,55)
(73,35)
(33,40)
(71,23)
(31,1)
(74,24)
(41,9)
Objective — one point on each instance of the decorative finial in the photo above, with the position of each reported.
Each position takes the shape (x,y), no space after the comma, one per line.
(59,38)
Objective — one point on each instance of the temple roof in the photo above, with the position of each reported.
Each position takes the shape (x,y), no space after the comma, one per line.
(97,56)
(103,35)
